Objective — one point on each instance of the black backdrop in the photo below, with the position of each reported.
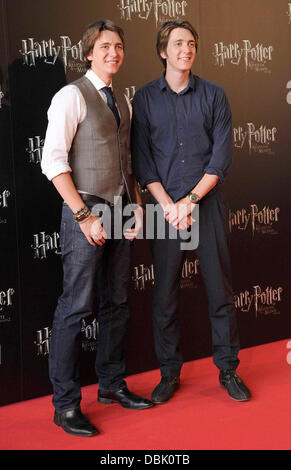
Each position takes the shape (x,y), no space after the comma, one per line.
(244,47)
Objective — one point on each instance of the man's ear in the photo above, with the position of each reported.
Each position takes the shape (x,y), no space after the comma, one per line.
(163,55)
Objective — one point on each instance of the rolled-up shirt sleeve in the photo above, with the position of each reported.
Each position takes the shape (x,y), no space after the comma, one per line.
(221,159)
(143,165)
(66,111)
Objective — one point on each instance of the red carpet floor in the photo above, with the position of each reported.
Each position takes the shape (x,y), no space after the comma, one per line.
(201,416)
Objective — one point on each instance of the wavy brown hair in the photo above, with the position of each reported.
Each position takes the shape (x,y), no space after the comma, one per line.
(93,32)
(164,34)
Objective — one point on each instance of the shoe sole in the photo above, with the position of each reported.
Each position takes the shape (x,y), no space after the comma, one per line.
(235,399)
(160,402)
(109,401)
(57,423)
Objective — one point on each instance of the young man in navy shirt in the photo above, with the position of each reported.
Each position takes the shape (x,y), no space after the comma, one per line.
(181,151)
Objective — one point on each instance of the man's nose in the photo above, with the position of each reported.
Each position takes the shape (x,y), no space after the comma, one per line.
(113,51)
(187,48)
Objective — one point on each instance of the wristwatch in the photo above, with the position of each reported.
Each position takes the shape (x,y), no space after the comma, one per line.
(193,197)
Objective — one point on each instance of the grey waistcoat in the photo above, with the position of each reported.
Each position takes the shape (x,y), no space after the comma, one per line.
(99,152)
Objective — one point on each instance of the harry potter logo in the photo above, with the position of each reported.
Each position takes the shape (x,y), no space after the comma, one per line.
(43,337)
(42,342)
(90,331)
(6,302)
(42,244)
(160,9)
(263,300)
(258,139)
(242,218)
(253,57)
(130,92)
(4,198)
(189,272)
(6,298)
(34,149)
(144,275)
(49,51)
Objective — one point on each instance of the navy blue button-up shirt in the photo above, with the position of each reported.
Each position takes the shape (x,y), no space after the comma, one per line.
(178,137)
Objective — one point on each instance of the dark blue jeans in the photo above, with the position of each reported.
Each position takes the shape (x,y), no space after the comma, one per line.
(87,268)
(214,262)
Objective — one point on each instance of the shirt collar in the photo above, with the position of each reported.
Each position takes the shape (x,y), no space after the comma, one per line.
(163,85)
(95,80)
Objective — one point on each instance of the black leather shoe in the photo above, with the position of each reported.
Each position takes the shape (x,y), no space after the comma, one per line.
(74,422)
(165,389)
(125,398)
(234,385)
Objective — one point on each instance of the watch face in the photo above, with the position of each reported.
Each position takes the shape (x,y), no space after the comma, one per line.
(193,197)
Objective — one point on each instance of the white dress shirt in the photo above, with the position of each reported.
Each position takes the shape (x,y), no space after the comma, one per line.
(67,110)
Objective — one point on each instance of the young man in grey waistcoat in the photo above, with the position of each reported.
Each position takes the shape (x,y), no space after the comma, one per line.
(86,156)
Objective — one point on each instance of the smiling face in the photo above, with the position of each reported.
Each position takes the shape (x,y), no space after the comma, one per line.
(181,50)
(107,55)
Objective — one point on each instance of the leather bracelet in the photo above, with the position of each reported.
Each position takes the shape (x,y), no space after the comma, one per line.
(86,218)
(81,214)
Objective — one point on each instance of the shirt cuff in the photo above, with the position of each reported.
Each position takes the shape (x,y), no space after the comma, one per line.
(56,170)
(144,183)
(215,171)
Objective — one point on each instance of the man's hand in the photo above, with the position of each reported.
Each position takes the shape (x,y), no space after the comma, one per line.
(94,231)
(132,233)
(180,214)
